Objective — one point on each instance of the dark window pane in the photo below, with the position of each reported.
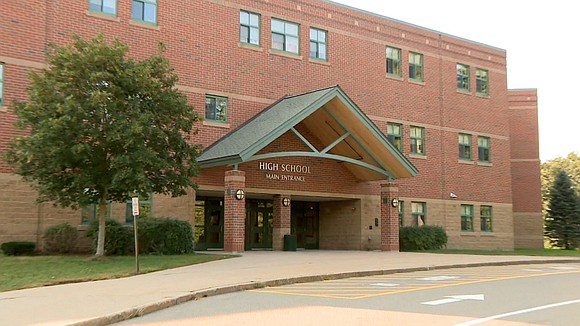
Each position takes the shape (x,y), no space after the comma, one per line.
(278,41)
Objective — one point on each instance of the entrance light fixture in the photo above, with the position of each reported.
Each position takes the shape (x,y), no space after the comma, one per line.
(285,201)
(240,194)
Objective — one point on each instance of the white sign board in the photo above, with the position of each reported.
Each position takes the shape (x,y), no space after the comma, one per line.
(135,204)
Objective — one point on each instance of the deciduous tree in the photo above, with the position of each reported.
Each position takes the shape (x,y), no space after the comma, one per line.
(102,126)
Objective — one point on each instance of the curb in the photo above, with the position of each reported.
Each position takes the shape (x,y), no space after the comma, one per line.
(204,293)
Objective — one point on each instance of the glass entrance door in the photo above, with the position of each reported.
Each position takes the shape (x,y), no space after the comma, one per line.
(259,216)
(209,224)
(305,223)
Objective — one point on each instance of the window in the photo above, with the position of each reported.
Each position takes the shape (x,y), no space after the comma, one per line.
(145,11)
(418,211)
(285,36)
(418,140)
(216,108)
(89,213)
(486,219)
(462,77)
(395,135)
(466,217)
(415,66)
(145,209)
(1,83)
(249,28)
(465,147)
(401,213)
(104,6)
(481,82)
(393,62)
(318,44)
(483,144)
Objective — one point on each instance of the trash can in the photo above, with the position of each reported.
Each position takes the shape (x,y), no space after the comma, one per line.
(290,242)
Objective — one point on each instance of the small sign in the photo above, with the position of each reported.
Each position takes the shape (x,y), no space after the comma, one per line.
(135,204)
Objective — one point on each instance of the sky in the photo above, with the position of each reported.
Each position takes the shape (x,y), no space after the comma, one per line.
(542,43)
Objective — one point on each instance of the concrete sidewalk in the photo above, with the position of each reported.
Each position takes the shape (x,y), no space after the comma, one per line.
(106,302)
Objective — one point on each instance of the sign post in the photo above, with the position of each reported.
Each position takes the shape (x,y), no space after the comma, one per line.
(135,206)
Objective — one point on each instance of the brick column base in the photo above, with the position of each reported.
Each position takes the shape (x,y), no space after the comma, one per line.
(234,211)
(280,223)
(389,218)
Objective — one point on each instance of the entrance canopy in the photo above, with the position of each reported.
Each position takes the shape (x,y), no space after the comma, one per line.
(331,126)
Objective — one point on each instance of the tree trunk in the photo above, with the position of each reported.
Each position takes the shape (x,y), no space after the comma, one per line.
(102,213)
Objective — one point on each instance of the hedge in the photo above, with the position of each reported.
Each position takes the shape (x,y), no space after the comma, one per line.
(425,237)
(18,248)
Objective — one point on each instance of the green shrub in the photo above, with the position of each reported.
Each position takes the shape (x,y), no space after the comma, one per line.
(425,237)
(60,239)
(165,236)
(118,238)
(18,248)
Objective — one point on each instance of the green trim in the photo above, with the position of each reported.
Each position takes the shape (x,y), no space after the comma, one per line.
(416,68)
(318,43)
(401,213)
(465,147)
(285,35)
(481,82)
(467,218)
(418,139)
(463,77)
(397,63)
(336,142)
(250,26)
(395,136)
(483,150)
(484,218)
(304,140)
(215,113)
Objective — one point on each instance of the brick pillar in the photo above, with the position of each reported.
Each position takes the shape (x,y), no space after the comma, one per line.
(389,218)
(234,211)
(281,222)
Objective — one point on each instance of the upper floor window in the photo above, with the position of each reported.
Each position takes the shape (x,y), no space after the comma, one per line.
(393,62)
(249,28)
(318,43)
(1,83)
(483,148)
(104,6)
(145,11)
(481,82)
(465,146)
(216,108)
(285,36)
(462,77)
(419,211)
(466,217)
(415,66)
(418,140)
(395,135)
(486,219)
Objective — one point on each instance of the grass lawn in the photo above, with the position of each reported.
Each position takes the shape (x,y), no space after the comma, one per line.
(25,272)
(518,252)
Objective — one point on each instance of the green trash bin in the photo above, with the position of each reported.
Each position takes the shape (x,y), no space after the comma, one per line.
(290,242)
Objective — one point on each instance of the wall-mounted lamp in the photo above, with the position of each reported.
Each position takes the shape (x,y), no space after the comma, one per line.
(452,195)
(240,194)
(285,201)
(395,202)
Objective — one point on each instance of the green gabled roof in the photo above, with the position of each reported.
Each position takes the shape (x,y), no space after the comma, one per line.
(241,144)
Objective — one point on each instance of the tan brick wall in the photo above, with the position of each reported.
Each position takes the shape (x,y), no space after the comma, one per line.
(530,231)
(370,234)
(447,213)
(340,225)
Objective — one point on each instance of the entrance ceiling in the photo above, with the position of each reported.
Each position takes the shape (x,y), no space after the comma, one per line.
(342,132)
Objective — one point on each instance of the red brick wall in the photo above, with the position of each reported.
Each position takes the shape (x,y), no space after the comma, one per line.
(202,39)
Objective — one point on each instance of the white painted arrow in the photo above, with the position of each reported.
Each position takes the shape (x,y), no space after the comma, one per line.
(455,298)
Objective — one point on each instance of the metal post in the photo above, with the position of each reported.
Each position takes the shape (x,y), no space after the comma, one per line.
(136,244)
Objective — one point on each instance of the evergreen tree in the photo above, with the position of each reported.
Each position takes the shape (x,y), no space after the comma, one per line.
(101,127)
(562,221)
